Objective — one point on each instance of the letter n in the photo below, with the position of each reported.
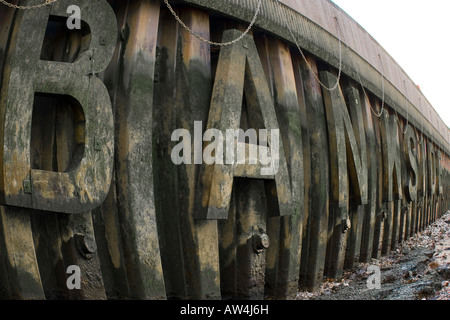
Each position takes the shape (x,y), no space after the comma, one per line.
(347,137)
(240,70)
(85,184)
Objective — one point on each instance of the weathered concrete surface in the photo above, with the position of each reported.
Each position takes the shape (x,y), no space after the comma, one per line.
(350,187)
(85,184)
(317,25)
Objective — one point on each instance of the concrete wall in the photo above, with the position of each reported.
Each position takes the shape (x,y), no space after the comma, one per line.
(315,25)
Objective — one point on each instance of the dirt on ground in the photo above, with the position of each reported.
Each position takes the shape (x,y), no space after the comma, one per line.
(419,269)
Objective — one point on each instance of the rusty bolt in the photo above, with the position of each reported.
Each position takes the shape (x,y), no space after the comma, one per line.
(86,245)
(346,224)
(260,242)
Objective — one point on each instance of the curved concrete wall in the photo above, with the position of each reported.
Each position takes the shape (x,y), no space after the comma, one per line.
(88,142)
(317,24)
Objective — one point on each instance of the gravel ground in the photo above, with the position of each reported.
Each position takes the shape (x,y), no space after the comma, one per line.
(419,269)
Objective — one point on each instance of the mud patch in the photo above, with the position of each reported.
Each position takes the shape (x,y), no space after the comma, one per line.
(419,269)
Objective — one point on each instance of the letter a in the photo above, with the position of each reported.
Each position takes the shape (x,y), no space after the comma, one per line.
(74,21)
(240,71)
(74,281)
(374,281)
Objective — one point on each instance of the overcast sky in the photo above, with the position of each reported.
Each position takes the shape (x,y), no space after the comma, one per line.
(416,34)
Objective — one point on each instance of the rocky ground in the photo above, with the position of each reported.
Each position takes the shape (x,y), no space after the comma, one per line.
(419,269)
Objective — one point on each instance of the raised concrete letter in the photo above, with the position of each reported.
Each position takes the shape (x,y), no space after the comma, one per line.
(85,184)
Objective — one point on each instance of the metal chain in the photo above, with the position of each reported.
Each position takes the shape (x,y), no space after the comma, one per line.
(421,140)
(46,3)
(407,109)
(403,126)
(219,44)
(376,114)
(382,87)
(307,62)
(421,123)
(407,118)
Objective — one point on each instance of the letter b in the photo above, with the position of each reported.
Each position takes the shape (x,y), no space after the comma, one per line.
(85,184)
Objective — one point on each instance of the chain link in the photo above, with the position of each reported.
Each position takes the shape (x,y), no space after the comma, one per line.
(36,6)
(382,88)
(407,120)
(407,109)
(219,44)
(421,140)
(382,109)
(404,125)
(421,123)
(307,62)
(376,114)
